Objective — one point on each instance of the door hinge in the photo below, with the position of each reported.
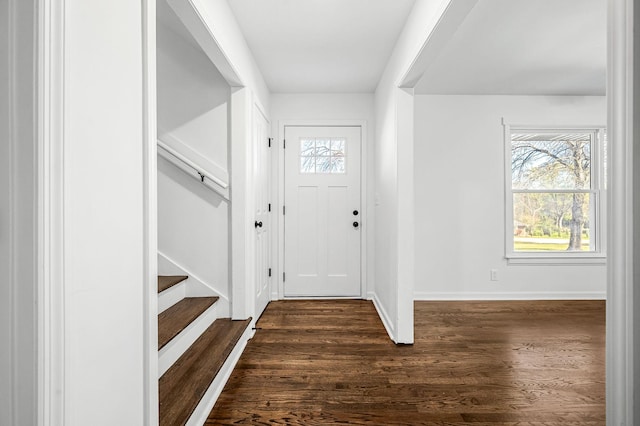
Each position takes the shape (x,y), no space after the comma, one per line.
(284,143)
(270,139)
(284,210)
(283,277)
(269,271)
(269,206)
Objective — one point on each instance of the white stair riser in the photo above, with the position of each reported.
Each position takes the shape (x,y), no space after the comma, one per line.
(204,407)
(179,344)
(171,296)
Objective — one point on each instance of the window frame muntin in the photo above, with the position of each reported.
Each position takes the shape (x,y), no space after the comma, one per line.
(597,189)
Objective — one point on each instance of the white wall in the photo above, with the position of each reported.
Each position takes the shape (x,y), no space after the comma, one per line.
(459,192)
(18,211)
(193,227)
(193,98)
(395,297)
(103,259)
(330,107)
(193,113)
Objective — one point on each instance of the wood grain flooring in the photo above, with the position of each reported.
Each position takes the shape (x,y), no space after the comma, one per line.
(479,363)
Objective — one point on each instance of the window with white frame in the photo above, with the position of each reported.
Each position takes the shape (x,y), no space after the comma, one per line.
(554,183)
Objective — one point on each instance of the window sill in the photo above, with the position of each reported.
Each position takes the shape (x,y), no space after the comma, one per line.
(554,259)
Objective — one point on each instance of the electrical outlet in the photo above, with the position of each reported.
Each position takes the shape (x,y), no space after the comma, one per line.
(494,275)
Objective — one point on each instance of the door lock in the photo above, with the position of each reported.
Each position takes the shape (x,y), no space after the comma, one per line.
(355,212)
(258,224)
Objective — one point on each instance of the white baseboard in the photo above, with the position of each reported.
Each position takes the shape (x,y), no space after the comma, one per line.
(384,317)
(196,287)
(173,350)
(487,296)
(200,414)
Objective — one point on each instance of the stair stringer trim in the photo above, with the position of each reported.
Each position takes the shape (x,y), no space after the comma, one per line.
(204,407)
(195,286)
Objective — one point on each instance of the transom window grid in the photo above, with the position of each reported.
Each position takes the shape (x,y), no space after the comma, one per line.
(322,155)
(553,192)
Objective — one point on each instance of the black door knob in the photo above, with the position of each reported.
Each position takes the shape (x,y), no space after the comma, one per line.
(355,212)
(258,224)
(356,224)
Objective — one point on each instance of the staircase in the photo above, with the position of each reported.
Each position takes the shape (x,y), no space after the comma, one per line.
(196,352)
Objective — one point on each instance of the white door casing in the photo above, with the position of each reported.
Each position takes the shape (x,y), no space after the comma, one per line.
(322,221)
(262,224)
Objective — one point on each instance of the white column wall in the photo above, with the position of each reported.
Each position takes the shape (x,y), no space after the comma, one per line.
(102,228)
(394,298)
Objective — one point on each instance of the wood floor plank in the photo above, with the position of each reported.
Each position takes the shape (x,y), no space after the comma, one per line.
(482,363)
(184,384)
(175,319)
(167,281)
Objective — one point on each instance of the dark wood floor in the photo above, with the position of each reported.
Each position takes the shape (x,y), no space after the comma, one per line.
(507,363)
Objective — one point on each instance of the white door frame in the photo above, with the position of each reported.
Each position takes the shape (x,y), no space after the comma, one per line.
(279,166)
(251,282)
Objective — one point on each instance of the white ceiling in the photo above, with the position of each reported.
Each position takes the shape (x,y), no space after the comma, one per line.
(524,47)
(313,46)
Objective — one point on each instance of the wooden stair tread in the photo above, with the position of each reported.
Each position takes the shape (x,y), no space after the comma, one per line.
(182,387)
(175,319)
(168,281)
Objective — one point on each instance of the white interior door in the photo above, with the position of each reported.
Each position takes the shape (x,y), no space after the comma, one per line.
(322,211)
(262,225)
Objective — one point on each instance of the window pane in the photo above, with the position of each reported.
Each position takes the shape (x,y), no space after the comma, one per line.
(552,222)
(322,155)
(337,148)
(337,165)
(323,165)
(307,147)
(307,164)
(323,147)
(551,160)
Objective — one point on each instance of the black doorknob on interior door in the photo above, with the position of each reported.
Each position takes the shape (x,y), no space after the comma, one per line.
(258,224)
(356,224)
(355,212)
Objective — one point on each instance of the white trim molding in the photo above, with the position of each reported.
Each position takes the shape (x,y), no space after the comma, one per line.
(488,296)
(384,316)
(150,212)
(51,254)
(620,295)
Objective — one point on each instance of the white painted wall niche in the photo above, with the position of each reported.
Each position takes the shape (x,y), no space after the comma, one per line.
(193,119)
(459,194)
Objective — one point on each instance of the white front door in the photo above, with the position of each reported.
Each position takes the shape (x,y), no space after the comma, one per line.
(322,223)
(262,225)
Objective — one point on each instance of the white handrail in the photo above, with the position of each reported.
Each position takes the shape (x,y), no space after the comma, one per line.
(220,186)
